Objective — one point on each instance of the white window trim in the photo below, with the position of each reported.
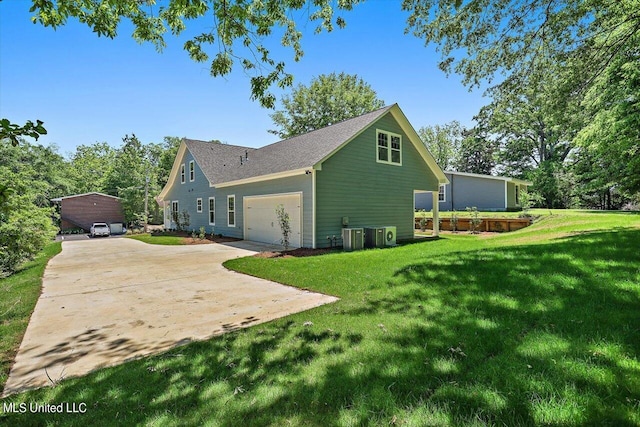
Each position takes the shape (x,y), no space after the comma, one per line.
(232,196)
(444,193)
(517,195)
(192,171)
(183,176)
(177,204)
(389,134)
(199,205)
(214,210)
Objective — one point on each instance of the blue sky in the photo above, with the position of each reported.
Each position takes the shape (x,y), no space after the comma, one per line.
(89,89)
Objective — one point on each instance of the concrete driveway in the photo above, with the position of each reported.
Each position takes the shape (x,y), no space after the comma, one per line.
(105,301)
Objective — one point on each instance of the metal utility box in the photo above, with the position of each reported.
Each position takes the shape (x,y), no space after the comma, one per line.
(352,239)
(390,236)
(116,228)
(374,237)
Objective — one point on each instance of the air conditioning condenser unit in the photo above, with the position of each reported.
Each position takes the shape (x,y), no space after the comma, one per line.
(390,236)
(352,239)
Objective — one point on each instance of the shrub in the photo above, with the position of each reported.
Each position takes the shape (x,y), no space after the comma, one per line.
(24,231)
(475,220)
(423,220)
(285,225)
(454,221)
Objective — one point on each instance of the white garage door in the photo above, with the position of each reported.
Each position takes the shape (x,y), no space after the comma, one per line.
(261,222)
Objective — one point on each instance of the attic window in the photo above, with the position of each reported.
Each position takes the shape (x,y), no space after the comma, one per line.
(389,148)
(192,171)
(182,174)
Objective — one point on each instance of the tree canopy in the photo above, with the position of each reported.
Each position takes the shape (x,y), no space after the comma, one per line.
(234,33)
(443,141)
(329,99)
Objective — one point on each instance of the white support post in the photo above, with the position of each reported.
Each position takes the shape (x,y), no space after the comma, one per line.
(436,214)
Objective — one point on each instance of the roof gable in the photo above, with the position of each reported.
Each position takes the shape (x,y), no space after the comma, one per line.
(222,163)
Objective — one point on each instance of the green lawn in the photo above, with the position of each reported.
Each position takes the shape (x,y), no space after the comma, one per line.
(535,327)
(158,240)
(20,293)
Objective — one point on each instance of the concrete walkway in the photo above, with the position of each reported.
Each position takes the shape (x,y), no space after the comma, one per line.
(105,301)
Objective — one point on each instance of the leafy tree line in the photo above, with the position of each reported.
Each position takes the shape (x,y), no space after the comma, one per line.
(31,175)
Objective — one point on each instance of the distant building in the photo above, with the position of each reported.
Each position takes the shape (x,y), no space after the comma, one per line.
(485,192)
(82,210)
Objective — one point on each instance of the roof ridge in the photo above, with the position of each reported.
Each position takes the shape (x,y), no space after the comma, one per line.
(218,143)
(387,107)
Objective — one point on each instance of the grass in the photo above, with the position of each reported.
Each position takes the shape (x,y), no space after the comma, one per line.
(534,327)
(20,293)
(158,240)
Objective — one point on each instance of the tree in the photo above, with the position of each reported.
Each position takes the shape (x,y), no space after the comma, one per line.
(327,100)
(612,135)
(232,26)
(31,175)
(89,167)
(168,152)
(443,142)
(127,178)
(476,154)
(518,39)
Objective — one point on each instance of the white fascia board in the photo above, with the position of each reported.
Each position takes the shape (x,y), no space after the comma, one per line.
(174,171)
(413,136)
(260,178)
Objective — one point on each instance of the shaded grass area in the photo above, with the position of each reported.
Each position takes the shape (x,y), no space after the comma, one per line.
(539,327)
(20,293)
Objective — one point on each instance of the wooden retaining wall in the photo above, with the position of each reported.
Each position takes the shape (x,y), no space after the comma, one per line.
(488,224)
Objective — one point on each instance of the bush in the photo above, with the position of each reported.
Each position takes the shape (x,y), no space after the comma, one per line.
(24,231)
(285,226)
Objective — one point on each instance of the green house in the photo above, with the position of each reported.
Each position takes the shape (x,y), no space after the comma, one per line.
(362,172)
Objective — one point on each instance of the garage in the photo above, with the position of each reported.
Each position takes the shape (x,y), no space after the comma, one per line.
(261,223)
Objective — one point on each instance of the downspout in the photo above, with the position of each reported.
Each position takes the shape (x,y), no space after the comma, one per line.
(313,208)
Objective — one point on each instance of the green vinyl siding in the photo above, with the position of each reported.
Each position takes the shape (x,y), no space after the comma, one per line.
(354,184)
(293,184)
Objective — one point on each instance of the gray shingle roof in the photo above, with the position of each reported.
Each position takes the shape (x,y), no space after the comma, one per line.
(221,163)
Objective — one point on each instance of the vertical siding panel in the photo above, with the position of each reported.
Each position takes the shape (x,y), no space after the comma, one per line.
(294,184)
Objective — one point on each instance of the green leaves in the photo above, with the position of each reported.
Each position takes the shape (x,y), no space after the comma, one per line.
(328,99)
(236,29)
(13,132)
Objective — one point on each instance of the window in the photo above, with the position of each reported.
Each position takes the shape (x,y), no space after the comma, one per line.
(441,194)
(199,205)
(174,210)
(389,148)
(517,194)
(192,171)
(212,211)
(182,173)
(231,211)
